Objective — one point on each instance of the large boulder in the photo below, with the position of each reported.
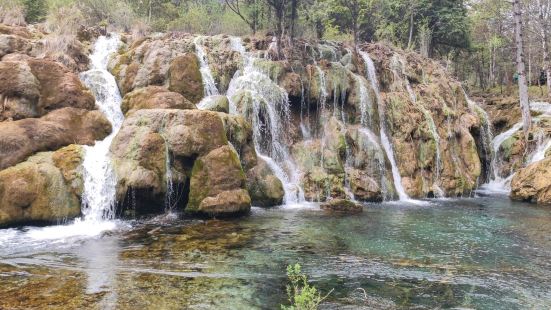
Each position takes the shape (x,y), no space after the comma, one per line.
(44,189)
(218,184)
(215,103)
(154,97)
(22,138)
(184,77)
(533,183)
(159,147)
(33,87)
(265,189)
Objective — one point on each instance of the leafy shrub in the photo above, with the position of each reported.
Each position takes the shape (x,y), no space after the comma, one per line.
(301,295)
(36,10)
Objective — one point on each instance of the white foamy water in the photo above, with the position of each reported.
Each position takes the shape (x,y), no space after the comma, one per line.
(98,199)
(270,115)
(387,146)
(208,80)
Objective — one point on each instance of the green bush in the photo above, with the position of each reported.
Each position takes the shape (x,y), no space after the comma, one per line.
(301,295)
(36,10)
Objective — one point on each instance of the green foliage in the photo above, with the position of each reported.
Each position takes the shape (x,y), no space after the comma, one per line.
(301,295)
(210,18)
(36,10)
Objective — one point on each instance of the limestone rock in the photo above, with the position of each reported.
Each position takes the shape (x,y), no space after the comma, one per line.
(185,78)
(341,206)
(195,144)
(35,87)
(154,97)
(218,184)
(20,139)
(533,183)
(215,103)
(44,189)
(265,189)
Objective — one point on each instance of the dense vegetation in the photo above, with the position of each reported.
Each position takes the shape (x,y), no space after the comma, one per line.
(475,38)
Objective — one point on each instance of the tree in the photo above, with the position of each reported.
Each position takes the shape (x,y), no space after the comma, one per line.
(544,12)
(521,70)
(36,10)
(279,7)
(252,20)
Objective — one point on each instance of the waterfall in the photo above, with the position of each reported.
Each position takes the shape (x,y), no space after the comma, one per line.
(499,183)
(98,198)
(379,158)
(542,148)
(486,133)
(270,115)
(208,81)
(365,103)
(387,146)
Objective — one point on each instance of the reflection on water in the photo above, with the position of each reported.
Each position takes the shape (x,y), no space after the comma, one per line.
(483,253)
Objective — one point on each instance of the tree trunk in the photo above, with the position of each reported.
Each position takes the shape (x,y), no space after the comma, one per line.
(543,16)
(410,39)
(294,4)
(522,86)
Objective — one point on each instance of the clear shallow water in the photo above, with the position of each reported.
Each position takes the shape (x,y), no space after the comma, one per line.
(483,253)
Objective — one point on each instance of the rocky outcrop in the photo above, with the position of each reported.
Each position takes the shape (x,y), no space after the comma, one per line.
(204,171)
(533,183)
(215,103)
(16,42)
(154,97)
(162,61)
(34,87)
(20,139)
(265,189)
(218,184)
(46,188)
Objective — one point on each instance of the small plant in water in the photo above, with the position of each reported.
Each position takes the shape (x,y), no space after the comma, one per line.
(301,295)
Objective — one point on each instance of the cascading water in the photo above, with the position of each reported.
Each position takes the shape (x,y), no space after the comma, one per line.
(374,144)
(365,103)
(387,146)
(269,111)
(206,74)
(98,198)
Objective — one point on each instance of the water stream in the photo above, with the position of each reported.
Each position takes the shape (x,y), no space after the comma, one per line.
(387,146)
(268,108)
(208,80)
(98,198)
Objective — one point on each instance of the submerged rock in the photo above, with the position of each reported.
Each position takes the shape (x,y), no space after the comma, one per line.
(45,188)
(533,183)
(341,206)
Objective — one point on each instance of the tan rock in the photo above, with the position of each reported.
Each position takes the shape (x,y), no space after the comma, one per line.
(218,184)
(37,190)
(154,97)
(533,183)
(20,139)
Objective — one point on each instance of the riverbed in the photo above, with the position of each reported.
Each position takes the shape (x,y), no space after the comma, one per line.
(479,253)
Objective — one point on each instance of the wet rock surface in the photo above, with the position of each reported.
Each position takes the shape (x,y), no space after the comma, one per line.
(45,188)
